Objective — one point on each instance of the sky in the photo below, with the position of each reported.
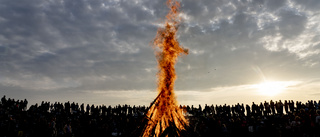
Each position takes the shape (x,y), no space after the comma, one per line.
(100,52)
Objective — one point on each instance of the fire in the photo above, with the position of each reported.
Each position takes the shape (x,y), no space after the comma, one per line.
(165,117)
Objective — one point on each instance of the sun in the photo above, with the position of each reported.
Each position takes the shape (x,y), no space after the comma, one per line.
(271,88)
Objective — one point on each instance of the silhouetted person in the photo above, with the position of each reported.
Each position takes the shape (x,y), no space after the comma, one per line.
(82,108)
(267,108)
(272,105)
(88,109)
(248,110)
(286,106)
(253,109)
(4,100)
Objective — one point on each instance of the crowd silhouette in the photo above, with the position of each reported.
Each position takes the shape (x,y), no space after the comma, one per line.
(263,119)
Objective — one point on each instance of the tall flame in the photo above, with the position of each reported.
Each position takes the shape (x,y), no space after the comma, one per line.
(164,114)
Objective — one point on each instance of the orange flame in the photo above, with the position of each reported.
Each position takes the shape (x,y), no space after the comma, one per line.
(164,113)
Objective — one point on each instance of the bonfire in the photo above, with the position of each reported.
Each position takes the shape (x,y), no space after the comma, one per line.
(165,117)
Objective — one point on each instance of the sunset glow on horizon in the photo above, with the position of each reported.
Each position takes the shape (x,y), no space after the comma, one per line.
(273,88)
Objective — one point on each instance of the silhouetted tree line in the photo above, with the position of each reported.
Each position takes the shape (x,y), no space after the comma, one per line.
(273,118)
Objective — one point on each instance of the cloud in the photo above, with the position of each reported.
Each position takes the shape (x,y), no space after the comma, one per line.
(291,24)
(61,40)
(81,46)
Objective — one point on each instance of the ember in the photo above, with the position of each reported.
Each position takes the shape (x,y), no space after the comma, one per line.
(165,117)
